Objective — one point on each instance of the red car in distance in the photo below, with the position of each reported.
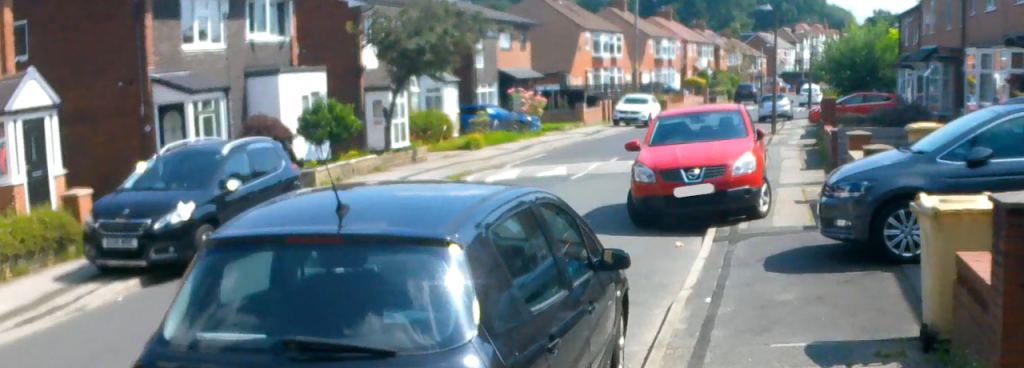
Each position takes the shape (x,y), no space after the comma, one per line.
(860,104)
(707,158)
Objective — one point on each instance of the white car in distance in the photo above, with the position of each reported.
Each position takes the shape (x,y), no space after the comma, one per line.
(811,89)
(636,108)
(783,111)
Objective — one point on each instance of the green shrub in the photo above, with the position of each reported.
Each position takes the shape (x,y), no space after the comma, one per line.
(480,123)
(43,235)
(329,121)
(430,126)
(695,83)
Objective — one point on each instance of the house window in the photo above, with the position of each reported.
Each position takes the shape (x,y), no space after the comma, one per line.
(5,159)
(990,5)
(619,39)
(207,118)
(268,19)
(970,6)
(432,99)
(505,41)
(587,41)
(949,14)
(487,94)
(479,57)
(202,23)
(21,40)
(310,99)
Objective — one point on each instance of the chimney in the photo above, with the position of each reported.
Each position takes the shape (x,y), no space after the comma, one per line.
(619,4)
(666,12)
(700,24)
(7,66)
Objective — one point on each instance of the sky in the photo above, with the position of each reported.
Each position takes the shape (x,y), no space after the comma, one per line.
(862,9)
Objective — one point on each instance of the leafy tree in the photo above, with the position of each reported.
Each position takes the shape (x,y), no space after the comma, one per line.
(882,16)
(424,38)
(861,60)
(329,121)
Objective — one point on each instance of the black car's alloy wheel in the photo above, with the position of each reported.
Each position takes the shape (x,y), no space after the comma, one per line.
(898,233)
(637,216)
(202,235)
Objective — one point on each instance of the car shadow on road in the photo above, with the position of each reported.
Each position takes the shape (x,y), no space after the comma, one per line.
(88,273)
(830,257)
(613,220)
(904,352)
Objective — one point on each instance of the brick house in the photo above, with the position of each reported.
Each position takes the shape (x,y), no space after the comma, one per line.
(31,155)
(660,60)
(762,41)
(994,42)
(574,48)
(907,80)
(938,62)
(324,39)
(721,45)
(180,69)
(745,60)
(514,61)
(696,49)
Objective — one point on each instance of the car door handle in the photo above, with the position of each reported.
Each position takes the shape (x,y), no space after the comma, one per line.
(591,308)
(553,345)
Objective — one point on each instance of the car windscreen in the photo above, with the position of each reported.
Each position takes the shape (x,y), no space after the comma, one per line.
(409,299)
(698,127)
(184,169)
(953,129)
(815,88)
(635,100)
(745,87)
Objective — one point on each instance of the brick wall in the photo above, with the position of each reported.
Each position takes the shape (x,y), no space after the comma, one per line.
(13,196)
(879,135)
(580,113)
(517,56)
(98,83)
(324,40)
(973,327)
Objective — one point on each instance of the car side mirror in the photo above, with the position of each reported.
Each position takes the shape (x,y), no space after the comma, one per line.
(760,134)
(232,183)
(633,146)
(614,260)
(978,157)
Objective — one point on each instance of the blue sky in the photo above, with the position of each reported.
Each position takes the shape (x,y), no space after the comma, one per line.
(863,8)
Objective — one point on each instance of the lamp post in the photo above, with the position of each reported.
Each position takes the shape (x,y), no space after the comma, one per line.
(775,63)
(636,44)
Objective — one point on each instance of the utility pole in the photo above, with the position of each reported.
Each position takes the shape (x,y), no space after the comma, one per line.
(636,44)
(775,70)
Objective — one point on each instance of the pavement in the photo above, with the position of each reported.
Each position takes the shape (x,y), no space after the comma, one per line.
(767,293)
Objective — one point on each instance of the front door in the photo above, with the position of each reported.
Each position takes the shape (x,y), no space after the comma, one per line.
(172,123)
(38,177)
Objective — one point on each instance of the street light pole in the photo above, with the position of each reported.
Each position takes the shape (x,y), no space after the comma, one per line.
(775,70)
(636,44)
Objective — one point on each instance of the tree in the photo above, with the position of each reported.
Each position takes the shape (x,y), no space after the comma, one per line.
(261,125)
(861,60)
(424,38)
(329,121)
(882,16)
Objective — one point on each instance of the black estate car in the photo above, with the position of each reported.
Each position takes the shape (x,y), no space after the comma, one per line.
(167,208)
(868,199)
(400,274)
(745,92)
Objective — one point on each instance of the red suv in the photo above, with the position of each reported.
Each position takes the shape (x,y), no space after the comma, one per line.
(701,158)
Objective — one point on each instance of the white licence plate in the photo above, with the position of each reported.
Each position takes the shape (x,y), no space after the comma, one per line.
(120,243)
(694,190)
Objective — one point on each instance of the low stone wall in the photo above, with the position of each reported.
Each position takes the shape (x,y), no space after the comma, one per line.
(341,171)
(895,137)
(596,114)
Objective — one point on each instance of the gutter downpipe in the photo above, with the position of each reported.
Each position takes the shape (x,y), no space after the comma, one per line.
(141,70)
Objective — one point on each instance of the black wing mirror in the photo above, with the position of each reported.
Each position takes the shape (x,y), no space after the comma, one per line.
(978,157)
(614,260)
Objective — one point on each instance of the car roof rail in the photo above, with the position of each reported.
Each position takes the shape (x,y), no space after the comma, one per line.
(186,142)
(235,143)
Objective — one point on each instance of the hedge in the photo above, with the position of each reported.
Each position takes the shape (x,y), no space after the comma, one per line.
(39,238)
(430,126)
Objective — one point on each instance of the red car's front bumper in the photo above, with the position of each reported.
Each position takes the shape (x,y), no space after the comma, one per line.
(731,193)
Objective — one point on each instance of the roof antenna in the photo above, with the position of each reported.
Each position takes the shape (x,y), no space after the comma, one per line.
(342,209)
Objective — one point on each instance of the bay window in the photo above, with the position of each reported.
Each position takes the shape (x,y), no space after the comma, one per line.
(996,74)
(505,40)
(666,49)
(432,99)
(607,44)
(268,19)
(202,23)
(5,158)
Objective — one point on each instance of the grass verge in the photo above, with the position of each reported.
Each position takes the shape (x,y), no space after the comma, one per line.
(350,155)
(475,141)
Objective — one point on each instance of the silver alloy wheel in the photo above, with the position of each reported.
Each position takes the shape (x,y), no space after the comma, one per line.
(902,233)
(205,236)
(764,202)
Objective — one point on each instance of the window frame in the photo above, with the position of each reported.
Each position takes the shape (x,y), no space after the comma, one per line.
(223,6)
(990,5)
(266,35)
(23,57)
(538,209)
(563,284)
(7,159)
(199,113)
(505,41)
(478,57)
(944,157)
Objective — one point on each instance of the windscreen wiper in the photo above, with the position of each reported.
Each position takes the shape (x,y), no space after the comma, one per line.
(320,349)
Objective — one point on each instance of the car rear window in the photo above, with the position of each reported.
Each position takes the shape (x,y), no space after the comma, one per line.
(698,127)
(407,298)
(635,100)
(745,87)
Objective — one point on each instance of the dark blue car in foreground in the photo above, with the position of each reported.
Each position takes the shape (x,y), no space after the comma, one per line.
(496,276)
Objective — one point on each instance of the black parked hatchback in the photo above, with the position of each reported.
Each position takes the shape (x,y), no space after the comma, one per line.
(868,199)
(745,92)
(400,274)
(167,208)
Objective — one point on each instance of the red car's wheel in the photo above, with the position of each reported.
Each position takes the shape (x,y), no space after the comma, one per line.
(638,216)
(764,201)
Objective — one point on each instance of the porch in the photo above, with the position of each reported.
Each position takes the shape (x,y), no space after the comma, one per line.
(189,105)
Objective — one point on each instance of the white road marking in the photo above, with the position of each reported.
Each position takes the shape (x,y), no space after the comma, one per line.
(792,345)
(504,175)
(592,167)
(674,318)
(524,160)
(744,224)
(561,170)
